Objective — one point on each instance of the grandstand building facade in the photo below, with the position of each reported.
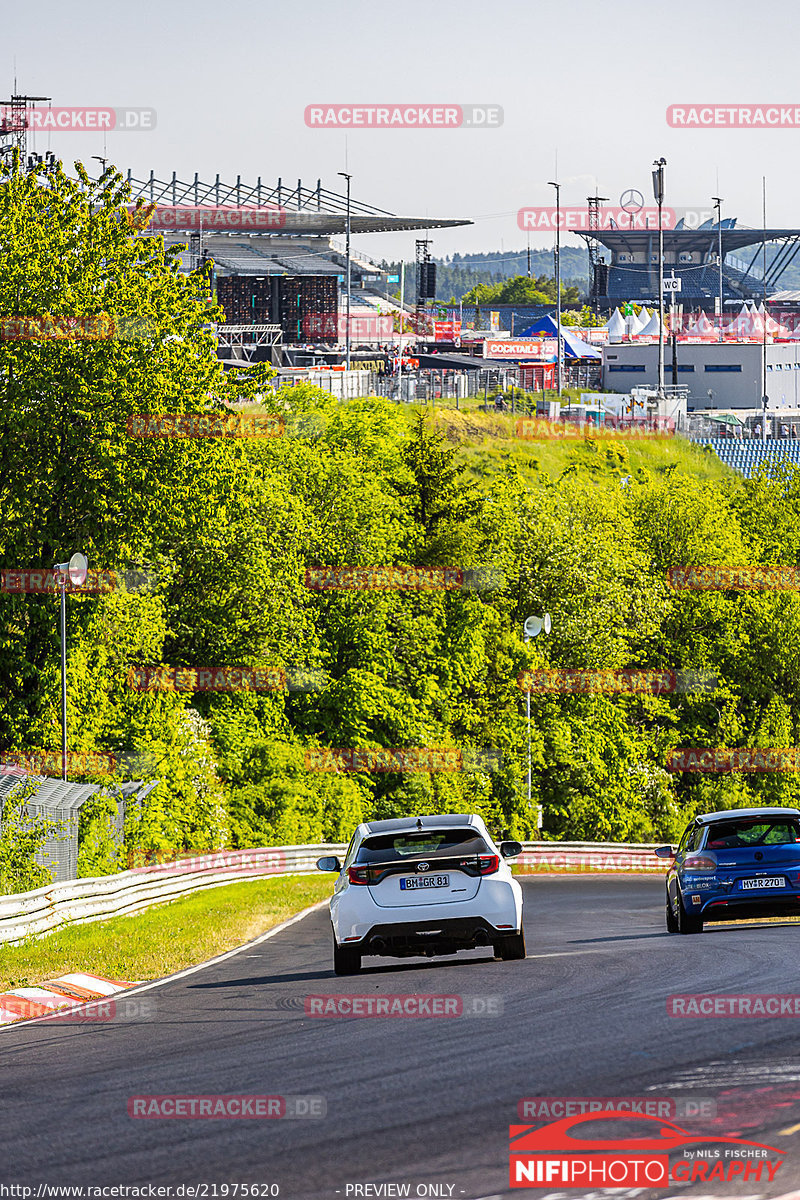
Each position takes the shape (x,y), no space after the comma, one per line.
(625,263)
(260,237)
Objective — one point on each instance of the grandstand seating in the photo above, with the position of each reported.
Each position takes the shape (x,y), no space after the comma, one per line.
(746,456)
(635,282)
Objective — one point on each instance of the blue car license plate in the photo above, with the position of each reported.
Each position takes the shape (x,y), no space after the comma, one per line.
(775,881)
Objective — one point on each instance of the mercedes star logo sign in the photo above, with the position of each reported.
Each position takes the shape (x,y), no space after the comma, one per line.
(423,866)
(631,201)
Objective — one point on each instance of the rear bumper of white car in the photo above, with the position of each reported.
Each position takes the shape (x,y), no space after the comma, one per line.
(494,912)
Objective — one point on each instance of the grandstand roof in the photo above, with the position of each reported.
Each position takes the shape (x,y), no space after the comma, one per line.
(306,210)
(641,240)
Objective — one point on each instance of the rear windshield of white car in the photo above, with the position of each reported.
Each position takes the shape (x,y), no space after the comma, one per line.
(732,835)
(393,847)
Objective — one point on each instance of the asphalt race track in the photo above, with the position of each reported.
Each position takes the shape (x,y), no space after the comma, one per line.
(413,1101)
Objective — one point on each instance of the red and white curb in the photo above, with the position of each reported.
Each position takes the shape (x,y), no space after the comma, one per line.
(64,993)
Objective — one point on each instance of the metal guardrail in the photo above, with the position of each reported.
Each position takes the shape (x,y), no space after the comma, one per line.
(78,901)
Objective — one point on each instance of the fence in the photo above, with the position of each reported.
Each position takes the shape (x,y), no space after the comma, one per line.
(344,384)
(451,386)
(59,802)
(81,900)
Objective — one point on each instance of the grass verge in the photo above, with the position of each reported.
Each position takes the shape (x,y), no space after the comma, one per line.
(165,938)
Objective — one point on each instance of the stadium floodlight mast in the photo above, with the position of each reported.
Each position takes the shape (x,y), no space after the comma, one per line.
(532,627)
(658,193)
(718,206)
(344,175)
(557,186)
(75,570)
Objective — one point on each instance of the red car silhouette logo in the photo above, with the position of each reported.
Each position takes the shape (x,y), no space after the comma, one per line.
(664,1136)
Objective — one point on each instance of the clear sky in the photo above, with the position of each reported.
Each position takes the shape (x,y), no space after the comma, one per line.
(587,80)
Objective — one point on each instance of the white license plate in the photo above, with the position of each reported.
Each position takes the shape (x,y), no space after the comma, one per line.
(424,881)
(776,881)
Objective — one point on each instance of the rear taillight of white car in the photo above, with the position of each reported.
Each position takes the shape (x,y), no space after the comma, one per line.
(358,875)
(482,864)
(699,862)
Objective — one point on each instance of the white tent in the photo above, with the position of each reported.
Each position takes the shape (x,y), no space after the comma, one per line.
(615,326)
(633,325)
(651,328)
(747,325)
(702,327)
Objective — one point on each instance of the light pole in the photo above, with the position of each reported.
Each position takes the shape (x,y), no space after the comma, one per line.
(75,570)
(557,186)
(532,627)
(400,346)
(764,395)
(718,206)
(658,192)
(344,175)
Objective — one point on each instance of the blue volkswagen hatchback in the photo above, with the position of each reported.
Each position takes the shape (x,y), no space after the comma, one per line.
(744,862)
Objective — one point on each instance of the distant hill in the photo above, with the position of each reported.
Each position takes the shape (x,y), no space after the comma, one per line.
(460,272)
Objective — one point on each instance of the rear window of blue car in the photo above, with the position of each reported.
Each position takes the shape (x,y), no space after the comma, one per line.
(436,843)
(732,835)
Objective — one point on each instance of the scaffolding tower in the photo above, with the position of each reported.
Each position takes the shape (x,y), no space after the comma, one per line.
(14,130)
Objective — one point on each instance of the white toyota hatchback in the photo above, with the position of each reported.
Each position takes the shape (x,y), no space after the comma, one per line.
(424,886)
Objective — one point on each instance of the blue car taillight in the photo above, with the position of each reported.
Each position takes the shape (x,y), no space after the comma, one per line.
(700,862)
